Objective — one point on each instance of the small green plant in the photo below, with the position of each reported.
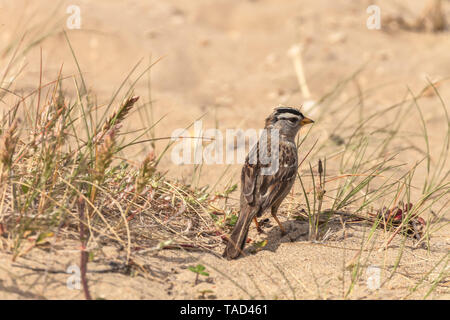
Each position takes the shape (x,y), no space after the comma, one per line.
(259,245)
(198,270)
(232,219)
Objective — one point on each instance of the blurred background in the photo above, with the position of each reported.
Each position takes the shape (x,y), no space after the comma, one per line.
(231,61)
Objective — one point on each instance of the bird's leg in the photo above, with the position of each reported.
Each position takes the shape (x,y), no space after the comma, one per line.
(258,227)
(274,215)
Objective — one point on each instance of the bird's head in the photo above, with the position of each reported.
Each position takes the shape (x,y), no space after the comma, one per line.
(287,120)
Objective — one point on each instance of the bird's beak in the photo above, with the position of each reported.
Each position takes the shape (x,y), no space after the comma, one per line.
(306,121)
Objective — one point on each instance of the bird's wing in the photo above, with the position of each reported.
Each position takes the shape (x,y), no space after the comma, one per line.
(249,174)
(271,187)
(263,190)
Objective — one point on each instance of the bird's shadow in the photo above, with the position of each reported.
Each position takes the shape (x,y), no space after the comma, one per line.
(295,231)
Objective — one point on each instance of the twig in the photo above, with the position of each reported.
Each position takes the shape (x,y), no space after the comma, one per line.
(84,254)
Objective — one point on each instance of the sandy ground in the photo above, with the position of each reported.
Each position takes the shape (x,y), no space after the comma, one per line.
(229,59)
(289,267)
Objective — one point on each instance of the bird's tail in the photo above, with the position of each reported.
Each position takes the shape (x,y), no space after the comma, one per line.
(238,237)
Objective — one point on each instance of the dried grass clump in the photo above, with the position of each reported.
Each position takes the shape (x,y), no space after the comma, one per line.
(8,143)
(66,160)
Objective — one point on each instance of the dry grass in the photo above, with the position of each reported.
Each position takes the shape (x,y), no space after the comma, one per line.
(58,155)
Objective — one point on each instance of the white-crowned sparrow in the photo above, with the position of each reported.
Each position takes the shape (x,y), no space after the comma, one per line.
(263,185)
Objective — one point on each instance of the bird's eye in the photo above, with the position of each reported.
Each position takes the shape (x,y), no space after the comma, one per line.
(292,120)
